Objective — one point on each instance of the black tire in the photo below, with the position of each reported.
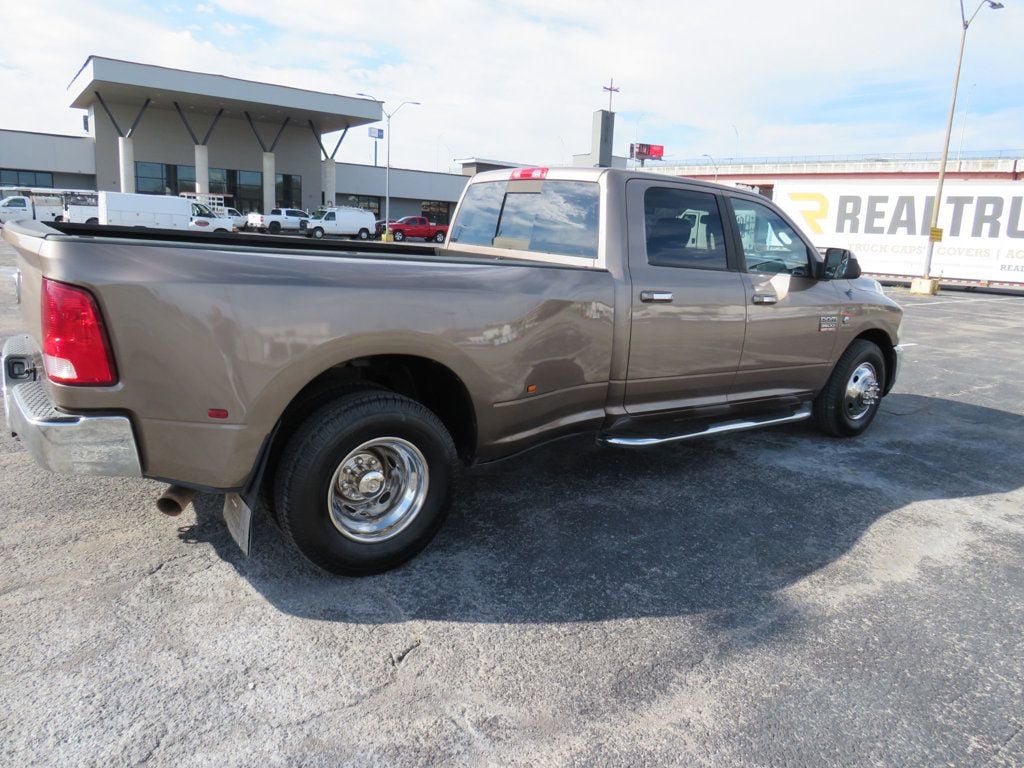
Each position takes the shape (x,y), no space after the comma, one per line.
(318,233)
(93,220)
(399,237)
(222,231)
(364,234)
(439,237)
(833,410)
(274,228)
(315,451)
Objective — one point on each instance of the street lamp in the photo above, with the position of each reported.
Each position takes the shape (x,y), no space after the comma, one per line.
(966,22)
(709,157)
(387,172)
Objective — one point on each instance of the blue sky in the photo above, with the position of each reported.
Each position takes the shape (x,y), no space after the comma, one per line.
(519,80)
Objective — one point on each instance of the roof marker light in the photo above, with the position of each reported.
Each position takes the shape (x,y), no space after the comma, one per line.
(520,174)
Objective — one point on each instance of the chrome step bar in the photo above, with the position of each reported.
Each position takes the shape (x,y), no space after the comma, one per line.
(714,429)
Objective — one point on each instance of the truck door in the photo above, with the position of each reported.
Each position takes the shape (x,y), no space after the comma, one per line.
(14,208)
(688,301)
(792,317)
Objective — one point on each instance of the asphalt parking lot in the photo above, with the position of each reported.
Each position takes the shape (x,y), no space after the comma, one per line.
(770,598)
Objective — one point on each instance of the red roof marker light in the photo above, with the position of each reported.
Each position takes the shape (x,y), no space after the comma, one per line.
(520,174)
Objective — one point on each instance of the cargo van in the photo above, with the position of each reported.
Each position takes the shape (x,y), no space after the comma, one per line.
(344,220)
(158,211)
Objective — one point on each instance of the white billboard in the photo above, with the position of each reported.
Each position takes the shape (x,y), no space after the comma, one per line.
(886,224)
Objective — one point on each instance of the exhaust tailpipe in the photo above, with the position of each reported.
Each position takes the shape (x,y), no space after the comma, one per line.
(174,500)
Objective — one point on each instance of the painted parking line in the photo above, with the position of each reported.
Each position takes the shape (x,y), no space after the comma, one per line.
(961,301)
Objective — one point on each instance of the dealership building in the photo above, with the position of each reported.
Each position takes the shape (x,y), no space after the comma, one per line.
(157,130)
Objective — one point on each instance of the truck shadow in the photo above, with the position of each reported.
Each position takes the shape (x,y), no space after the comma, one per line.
(574,532)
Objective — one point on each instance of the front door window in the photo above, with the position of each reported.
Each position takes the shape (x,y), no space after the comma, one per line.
(770,245)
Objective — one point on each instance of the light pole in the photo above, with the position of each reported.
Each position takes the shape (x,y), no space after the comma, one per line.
(387,171)
(966,22)
(709,157)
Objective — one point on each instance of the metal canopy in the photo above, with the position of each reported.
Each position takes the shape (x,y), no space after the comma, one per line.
(127,82)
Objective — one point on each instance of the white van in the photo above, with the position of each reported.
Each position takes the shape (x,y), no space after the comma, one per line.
(353,222)
(158,211)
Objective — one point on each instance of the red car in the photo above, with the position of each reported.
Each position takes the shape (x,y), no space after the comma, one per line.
(417,226)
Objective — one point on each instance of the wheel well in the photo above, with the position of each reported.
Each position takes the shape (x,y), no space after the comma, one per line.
(418,378)
(881,339)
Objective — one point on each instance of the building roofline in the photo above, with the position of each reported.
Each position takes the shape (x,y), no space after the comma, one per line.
(94,57)
(45,133)
(131,82)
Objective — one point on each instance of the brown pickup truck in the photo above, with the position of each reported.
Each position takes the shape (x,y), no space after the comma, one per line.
(347,383)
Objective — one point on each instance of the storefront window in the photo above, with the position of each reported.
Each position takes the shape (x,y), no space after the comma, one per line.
(218,181)
(288,190)
(366,202)
(185,178)
(10,177)
(246,188)
(437,211)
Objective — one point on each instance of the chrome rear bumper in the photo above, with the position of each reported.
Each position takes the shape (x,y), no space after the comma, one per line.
(62,442)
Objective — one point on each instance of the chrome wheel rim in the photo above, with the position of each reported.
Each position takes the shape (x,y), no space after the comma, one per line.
(378,489)
(862,392)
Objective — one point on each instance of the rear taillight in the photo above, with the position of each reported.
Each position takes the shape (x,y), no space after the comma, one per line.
(75,346)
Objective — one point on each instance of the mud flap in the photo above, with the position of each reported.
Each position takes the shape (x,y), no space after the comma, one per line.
(238,516)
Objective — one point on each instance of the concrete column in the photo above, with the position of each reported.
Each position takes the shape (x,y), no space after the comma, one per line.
(202,169)
(329,176)
(269,182)
(126,157)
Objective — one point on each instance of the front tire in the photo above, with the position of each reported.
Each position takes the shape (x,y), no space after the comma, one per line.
(850,400)
(364,483)
(399,236)
(364,234)
(318,233)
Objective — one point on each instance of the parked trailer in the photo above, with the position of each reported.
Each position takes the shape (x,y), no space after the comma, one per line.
(887,224)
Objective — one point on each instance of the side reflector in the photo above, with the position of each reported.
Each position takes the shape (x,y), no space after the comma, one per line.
(528,173)
(217,413)
(75,346)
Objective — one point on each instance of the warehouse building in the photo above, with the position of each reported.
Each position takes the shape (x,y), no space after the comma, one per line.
(156,130)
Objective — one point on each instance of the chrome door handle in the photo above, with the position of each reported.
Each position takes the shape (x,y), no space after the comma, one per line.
(765,298)
(656,297)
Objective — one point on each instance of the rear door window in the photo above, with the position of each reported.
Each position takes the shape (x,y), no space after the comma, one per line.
(683,228)
(551,216)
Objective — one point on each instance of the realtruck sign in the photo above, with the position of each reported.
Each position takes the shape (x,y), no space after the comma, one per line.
(887,224)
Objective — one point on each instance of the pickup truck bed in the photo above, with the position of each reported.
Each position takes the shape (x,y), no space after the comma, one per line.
(348,380)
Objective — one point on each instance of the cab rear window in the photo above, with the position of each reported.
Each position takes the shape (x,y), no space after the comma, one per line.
(551,216)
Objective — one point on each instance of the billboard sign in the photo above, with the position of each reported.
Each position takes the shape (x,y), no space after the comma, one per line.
(887,224)
(646,151)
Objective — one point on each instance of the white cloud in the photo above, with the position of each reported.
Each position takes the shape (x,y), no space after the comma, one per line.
(519,80)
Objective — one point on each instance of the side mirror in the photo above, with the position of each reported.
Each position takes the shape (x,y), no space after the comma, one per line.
(841,264)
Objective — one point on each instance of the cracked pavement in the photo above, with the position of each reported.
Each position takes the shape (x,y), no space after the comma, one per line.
(768,598)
